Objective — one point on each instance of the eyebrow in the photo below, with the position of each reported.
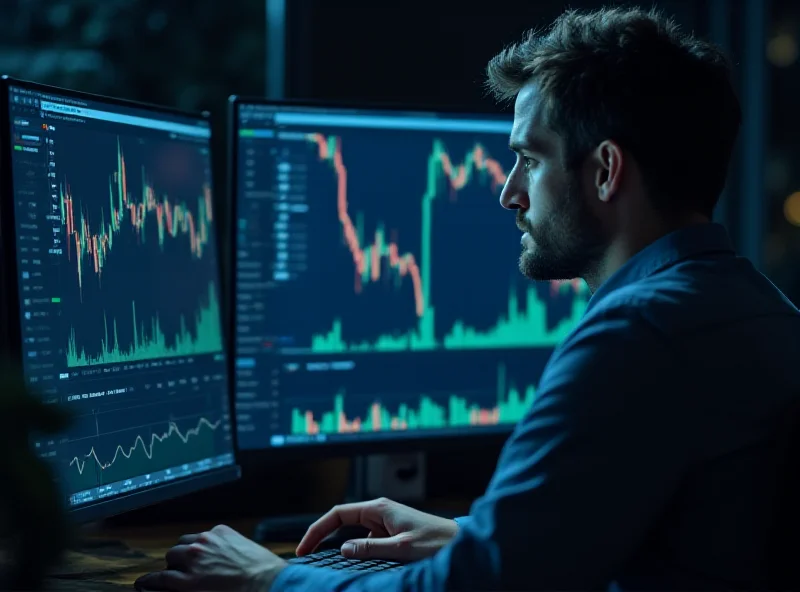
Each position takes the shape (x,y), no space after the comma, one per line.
(529,145)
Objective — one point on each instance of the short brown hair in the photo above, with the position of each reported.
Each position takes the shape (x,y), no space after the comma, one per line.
(631,75)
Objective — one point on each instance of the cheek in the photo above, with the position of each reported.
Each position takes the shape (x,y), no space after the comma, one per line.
(541,197)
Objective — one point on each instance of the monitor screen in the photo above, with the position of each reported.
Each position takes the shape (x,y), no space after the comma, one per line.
(378,293)
(119,292)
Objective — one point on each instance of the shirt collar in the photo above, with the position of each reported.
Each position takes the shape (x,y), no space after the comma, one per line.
(668,250)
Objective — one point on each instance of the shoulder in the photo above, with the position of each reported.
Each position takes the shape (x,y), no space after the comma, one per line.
(625,321)
(656,308)
(615,377)
(615,352)
(692,296)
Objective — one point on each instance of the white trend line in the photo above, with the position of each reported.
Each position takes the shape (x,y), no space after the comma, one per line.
(173,429)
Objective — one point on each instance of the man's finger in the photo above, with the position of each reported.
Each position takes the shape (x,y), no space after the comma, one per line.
(333,519)
(188,539)
(168,580)
(178,557)
(395,548)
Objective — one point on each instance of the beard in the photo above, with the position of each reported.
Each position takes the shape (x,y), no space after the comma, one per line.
(568,243)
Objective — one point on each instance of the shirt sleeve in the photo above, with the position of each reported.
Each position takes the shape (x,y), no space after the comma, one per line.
(580,481)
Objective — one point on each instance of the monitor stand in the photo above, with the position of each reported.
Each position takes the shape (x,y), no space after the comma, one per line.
(398,477)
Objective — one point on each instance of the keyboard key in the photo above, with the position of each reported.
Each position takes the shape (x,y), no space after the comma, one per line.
(332,559)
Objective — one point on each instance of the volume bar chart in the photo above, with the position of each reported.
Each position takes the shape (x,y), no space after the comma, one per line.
(516,329)
(149,341)
(511,405)
(521,327)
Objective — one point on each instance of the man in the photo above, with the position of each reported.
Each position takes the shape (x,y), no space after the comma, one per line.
(644,462)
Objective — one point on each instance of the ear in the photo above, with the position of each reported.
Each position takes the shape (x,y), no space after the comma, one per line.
(608,176)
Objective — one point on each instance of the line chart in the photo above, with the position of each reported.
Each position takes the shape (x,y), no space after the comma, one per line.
(145,455)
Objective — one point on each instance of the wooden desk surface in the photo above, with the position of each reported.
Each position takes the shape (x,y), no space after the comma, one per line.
(119,557)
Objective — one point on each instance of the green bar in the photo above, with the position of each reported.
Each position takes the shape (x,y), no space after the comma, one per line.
(149,341)
(455,412)
(55,300)
(247,133)
(17,147)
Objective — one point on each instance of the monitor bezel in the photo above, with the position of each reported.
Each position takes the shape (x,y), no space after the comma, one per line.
(10,317)
(388,446)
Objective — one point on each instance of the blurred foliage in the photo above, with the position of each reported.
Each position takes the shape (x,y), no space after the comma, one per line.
(189,54)
(33,527)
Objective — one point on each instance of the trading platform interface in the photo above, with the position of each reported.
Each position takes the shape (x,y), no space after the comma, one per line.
(377,283)
(119,291)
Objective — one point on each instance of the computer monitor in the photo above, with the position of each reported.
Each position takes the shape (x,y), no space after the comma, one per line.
(112,287)
(378,297)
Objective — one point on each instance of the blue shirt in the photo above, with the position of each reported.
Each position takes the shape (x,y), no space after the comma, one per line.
(642,463)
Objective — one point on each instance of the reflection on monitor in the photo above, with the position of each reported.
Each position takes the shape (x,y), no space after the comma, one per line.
(378,293)
(119,293)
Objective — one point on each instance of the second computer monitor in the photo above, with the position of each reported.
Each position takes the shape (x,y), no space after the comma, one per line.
(378,294)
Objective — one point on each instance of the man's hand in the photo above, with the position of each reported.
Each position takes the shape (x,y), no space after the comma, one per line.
(221,560)
(397,532)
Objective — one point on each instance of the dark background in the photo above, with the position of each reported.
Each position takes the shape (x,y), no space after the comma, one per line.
(195,54)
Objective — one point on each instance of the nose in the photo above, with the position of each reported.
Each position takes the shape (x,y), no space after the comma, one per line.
(515,194)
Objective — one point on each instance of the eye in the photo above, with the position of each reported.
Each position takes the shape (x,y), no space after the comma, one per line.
(529,162)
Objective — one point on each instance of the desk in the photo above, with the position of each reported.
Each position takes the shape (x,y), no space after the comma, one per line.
(113,559)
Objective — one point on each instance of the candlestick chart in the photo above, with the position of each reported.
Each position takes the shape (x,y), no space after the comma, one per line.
(138,242)
(426,259)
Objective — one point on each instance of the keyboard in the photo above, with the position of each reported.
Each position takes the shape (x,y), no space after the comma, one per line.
(333,559)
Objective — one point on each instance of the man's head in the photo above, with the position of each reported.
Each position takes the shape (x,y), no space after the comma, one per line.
(623,126)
